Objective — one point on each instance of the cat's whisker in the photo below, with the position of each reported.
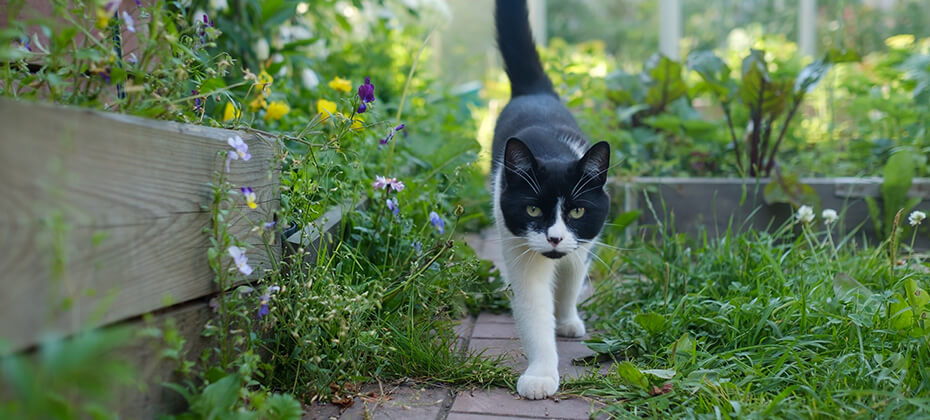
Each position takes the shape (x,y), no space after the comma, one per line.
(605,245)
(595,256)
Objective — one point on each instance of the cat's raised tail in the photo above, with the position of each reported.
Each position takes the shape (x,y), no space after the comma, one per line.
(515,41)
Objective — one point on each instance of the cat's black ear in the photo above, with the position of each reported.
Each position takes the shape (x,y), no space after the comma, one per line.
(518,157)
(595,162)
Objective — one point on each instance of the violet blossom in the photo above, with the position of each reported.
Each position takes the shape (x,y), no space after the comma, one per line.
(240,150)
(392,205)
(382,182)
(241,261)
(366,93)
(390,135)
(437,222)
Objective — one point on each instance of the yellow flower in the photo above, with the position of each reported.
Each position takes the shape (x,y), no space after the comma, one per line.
(358,123)
(264,83)
(276,110)
(258,103)
(341,85)
(325,109)
(230,112)
(900,42)
(103,18)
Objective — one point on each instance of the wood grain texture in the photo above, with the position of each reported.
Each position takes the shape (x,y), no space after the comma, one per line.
(102,215)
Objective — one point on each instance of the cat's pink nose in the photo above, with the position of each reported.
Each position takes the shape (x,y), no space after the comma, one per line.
(554,240)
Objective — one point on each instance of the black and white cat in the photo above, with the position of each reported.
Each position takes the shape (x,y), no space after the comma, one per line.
(549,202)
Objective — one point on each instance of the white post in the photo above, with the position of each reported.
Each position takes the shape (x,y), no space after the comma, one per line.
(538,21)
(669,28)
(807,28)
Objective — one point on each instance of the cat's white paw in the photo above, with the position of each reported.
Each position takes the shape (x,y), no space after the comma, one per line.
(570,328)
(537,387)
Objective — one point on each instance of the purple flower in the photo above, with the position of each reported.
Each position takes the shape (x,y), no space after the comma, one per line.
(264,299)
(25,42)
(239,258)
(198,103)
(139,3)
(240,150)
(437,222)
(390,135)
(270,224)
(132,58)
(418,246)
(382,182)
(249,197)
(366,93)
(393,206)
(130,25)
(105,74)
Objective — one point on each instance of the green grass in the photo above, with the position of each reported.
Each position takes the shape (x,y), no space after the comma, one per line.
(759,325)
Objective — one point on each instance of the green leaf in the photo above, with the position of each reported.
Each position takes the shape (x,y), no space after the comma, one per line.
(683,347)
(899,174)
(117,75)
(666,84)
(916,296)
(219,397)
(632,376)
(283,407)
(624,89)
(902,317)
(713,71)
(652,322)
(212,84)
(664,122)
(789,189)
(625,114)
(659,374)
(758,85)
(625,219)
(811,75)
(843,56)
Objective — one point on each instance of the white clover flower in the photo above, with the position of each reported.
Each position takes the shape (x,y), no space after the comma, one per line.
(916,217)
(805,214)
(829,216)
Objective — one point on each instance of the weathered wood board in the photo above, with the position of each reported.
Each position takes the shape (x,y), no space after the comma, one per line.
(102,215)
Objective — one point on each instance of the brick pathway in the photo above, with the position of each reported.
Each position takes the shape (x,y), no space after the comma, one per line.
(494,334)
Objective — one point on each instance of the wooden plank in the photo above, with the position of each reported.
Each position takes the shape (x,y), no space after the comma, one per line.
(151,399)
(102,215)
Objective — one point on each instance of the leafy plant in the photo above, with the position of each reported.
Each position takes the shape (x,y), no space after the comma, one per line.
(766,95)
(898,177)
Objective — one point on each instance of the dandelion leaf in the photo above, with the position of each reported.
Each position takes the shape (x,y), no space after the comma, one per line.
(652,322)
(632,376)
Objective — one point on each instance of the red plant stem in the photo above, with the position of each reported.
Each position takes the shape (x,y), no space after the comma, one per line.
(754,163)
(781,133)
(739,160)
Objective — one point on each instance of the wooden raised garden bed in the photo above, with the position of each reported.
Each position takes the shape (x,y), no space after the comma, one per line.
(712,203)
(102,221)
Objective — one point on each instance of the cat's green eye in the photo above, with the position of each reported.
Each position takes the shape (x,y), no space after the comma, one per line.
(533,211)
(576,212)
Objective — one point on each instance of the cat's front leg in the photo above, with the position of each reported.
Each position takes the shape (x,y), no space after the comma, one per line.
(570,275)
(532,306)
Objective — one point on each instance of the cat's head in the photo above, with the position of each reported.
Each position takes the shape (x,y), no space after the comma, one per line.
(556,205)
